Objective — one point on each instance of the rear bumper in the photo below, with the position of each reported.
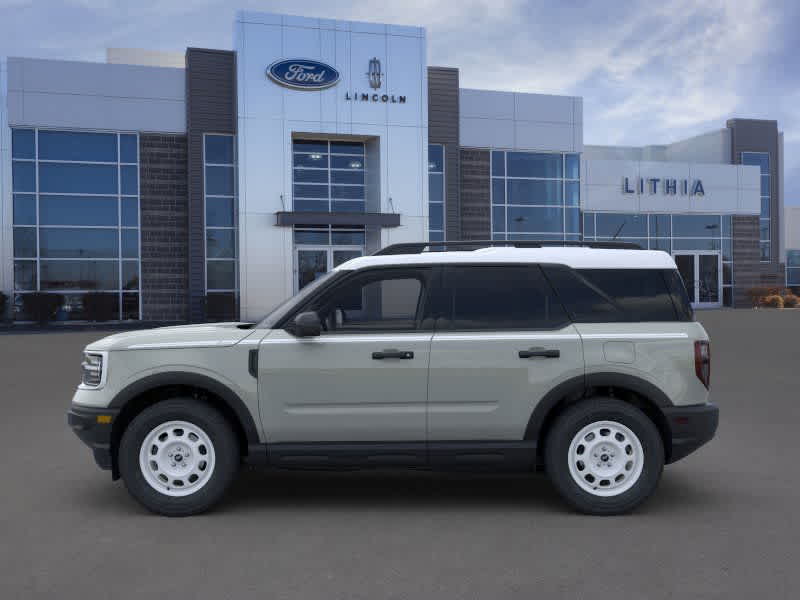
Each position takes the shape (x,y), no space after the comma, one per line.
(83,421)
(691,426)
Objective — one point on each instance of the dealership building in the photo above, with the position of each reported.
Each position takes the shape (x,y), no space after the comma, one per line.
(213,184)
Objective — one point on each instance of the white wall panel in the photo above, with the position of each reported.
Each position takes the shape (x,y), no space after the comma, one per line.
(539,135)
(486,104)
(486,133)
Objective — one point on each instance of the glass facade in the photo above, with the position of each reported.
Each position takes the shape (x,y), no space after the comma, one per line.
(436,192)
(76,221)
(761,160)
(318,249)
(219,158)
(793,268)
(671,233)
(535,196)
(328,176)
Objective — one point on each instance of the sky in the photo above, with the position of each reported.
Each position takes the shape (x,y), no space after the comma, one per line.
(649,72)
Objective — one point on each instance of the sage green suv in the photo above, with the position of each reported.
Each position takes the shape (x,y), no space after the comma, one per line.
(584,361)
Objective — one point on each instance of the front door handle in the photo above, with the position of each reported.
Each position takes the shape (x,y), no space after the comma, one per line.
(401,354)
(540,352)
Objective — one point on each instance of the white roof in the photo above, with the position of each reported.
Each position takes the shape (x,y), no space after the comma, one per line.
(575,257)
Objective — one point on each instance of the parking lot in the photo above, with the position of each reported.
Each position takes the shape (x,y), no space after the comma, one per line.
(725,523)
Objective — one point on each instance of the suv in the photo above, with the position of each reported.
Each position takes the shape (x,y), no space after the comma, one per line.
(584,361)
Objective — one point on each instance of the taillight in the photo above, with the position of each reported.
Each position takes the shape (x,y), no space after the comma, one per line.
(702,362)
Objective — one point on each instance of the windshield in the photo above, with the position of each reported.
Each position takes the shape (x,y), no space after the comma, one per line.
(279,311)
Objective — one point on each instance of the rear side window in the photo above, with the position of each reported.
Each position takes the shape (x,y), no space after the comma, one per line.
(615,295)
(498,298)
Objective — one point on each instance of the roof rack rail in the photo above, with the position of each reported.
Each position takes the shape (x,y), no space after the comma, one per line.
(419,247)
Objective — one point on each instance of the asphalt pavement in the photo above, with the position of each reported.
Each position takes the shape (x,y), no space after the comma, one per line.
(723,524)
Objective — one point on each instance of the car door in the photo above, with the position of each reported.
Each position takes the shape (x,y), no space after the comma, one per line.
(502,342)
(365,378)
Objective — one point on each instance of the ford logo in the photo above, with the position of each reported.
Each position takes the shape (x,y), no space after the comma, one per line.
(303,74)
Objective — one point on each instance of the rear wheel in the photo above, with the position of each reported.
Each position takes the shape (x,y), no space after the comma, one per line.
(604,456)
(178,457)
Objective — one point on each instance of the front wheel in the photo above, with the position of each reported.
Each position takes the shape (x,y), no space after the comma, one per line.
(178,457)
(604,456)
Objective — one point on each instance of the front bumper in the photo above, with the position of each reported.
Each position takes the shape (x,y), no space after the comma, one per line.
(691,426)
(94,432)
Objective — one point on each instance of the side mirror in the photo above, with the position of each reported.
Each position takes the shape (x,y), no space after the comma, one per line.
(307,324)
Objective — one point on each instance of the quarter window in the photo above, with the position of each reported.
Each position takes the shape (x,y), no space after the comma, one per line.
(495,298)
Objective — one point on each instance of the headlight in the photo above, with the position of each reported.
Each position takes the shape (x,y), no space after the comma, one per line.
(92,369)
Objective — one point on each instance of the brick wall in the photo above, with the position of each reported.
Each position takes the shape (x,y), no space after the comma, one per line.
(748,270)
(165,227)
(476,219)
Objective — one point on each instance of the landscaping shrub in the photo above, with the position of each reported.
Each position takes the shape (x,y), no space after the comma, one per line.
(790,301)
(773,301)
(757,295)
(99,306)
(41,306)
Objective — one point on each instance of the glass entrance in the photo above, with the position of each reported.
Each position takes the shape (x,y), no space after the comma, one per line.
(702,275)
(310,263)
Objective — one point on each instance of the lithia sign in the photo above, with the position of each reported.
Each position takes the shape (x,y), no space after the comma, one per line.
(306,74)
(667,186)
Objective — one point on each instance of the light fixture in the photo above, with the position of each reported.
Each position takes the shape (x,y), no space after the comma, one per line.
(355,164)
(316,156)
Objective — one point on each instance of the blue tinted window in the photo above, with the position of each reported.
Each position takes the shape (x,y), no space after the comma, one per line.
(498,163)
(727,249)
(221,274)
(348,206)
(130,275)
(340,162)
(546,220)
(320,161)
(765,207)
(219,149)
(77,210)
(435,158)
(588,225)
(436,187)
(129,180)
(572,189)
(436,216)
(219,212)
(25,275)
(528,191)
(573,166)
(130,243)
(347,148)
(793,258)
(130,212)
(529,164)
(128,149)
(78,243)
(664,244)
(660,226)
(438,236)
(24,209)
(695,244)
(311,205)
(130,306)
(23,176)
(23,143)
(310,191)
(621,225)
(312,237)
(219,181)
(765,185)
(572,220)
(759,159)
(498,218)
(220,243)
(498,191)
(310,146)
(726,225)
(73,145)
(77,179)
(348,192)
(25,242)
(696,225)
(356,177)
(313,175)
(80,275)
(348,238)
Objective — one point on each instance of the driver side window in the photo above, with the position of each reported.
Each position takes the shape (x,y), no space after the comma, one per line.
(374,302)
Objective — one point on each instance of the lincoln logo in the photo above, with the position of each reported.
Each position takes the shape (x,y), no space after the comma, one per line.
(374,74)
(301,74)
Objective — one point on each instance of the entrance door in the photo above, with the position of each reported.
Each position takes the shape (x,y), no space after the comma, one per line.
(702,275)
(312,261)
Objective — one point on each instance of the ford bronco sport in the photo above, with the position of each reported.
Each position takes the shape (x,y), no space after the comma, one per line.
(583,360)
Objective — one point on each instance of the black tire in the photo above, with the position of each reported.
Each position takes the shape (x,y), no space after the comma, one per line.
(570,423)
(225,447)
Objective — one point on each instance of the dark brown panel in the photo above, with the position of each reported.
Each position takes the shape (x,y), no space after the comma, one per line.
(443,114)
(164,226)
(289,219)
(476,219)
(210,108)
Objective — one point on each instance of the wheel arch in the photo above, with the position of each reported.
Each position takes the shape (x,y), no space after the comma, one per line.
(149,390)
(628,388)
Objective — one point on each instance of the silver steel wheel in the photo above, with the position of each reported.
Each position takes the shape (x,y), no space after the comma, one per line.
(177,458)
(605,458)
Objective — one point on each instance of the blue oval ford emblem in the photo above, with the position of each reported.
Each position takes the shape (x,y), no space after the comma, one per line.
(302,74)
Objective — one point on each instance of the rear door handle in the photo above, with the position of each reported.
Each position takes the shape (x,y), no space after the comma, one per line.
(401,354)
(540,352)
